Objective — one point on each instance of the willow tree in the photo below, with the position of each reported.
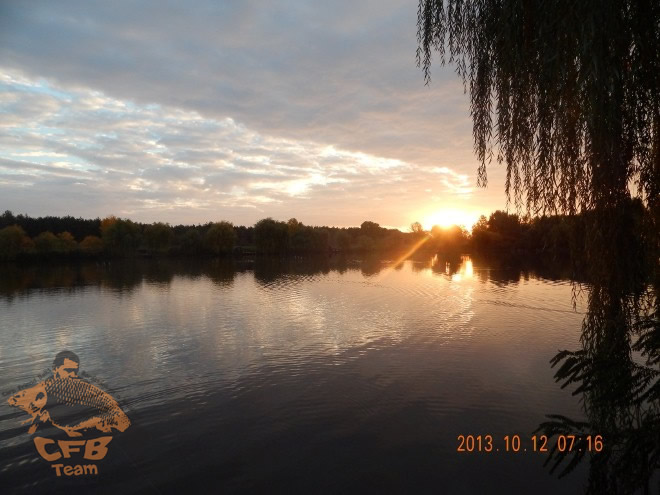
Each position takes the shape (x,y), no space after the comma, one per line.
(566,95)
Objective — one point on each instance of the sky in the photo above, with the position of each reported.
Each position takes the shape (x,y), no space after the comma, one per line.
(189,112)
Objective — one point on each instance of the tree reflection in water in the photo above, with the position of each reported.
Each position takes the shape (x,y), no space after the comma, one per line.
(616,371)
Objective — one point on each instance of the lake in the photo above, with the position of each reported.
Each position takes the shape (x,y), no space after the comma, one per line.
(296,375)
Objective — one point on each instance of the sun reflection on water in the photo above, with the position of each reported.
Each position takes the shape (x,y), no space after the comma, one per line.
(465,271)
(454,269)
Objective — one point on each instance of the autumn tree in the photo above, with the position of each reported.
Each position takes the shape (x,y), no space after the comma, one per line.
(66,243)
(91,245)
(120,237)
(13,241)
(46,243)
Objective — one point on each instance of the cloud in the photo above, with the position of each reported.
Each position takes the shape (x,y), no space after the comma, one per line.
(226,107)
(340,70)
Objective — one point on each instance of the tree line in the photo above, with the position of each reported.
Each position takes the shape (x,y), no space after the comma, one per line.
(502,233)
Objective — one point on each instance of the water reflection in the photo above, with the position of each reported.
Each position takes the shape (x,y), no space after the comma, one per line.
(617,377)
(126,275)
(456,269)
(257,370)
(616,370)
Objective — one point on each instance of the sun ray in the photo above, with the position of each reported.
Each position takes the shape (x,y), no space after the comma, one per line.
(404,257)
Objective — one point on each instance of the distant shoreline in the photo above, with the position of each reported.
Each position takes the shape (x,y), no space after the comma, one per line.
(24,238)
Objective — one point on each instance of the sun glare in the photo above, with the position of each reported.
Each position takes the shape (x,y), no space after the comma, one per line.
(448,217)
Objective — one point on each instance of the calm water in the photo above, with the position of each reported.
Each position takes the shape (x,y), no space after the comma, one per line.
(296,376)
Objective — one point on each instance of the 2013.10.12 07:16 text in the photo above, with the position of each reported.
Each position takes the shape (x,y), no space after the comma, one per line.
(540,443)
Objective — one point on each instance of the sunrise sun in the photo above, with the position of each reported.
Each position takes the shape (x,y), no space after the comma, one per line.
(448,217)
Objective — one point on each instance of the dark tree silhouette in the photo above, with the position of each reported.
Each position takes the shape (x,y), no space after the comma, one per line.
(220,238)
(271,236)
(371,229)
(416,228)
(566,93)
(78,227)
(158,236)
(567,96)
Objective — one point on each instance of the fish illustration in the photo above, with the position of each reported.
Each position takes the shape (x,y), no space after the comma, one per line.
(70,404)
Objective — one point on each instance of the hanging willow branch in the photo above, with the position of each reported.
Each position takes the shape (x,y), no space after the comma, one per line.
(565,93)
